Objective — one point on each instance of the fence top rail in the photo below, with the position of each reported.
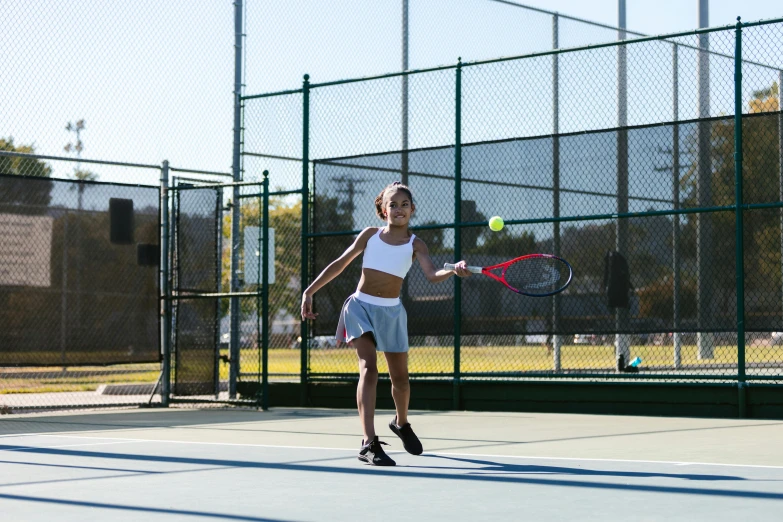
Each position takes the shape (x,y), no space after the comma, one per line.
(551,52)
(217,185)
(204,172)
(77,160)
(271,94)
(76,181)
(568,17)
(569,219)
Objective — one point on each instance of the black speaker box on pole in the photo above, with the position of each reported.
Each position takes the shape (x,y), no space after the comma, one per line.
(147,254)
(121,217)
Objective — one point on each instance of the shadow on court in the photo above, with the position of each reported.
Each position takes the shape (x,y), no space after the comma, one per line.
(138,509)
(288,421)
(162,418)
(499,472)
(526,469)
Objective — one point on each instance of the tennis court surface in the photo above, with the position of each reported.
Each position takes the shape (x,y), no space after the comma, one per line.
(300,464)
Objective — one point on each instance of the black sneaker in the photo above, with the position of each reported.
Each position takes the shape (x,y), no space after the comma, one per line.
(372,453)
(409,439)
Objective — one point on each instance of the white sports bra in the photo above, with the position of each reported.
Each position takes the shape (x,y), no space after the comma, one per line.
(392,259)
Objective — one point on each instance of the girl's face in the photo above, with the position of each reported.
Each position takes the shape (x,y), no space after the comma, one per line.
(398,207)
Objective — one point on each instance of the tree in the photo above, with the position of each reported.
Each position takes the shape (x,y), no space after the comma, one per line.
(330,216)
(470,235)
(85,175)
(761,184)
(285,217)
(286,220)
(505,244)
(32,197)
(656,300)
(22,166)
(761,228)
(433,238)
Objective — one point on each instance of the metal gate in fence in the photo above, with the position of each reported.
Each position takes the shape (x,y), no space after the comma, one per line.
(219,243)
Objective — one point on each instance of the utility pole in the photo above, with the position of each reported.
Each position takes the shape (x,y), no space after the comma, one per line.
(348,187)
(405,38)
(77,148)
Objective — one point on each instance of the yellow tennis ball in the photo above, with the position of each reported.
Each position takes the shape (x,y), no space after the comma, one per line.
(496,223)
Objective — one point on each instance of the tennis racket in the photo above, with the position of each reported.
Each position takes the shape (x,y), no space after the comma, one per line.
(534,275)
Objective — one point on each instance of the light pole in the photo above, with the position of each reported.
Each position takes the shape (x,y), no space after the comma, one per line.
(76,128)
(622,340)
(81,176)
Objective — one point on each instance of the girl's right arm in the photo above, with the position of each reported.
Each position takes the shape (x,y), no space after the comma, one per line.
(334,269)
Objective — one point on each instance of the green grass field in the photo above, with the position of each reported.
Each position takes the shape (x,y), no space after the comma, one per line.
(284,363)
(54,380)
(519,358)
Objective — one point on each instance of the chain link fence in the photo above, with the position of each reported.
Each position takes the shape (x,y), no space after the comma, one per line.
(617,147)
(348,39)
(625,148)
(154,80)
(80,325)
(80,322)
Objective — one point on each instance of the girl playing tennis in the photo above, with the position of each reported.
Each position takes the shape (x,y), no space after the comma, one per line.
(373,318)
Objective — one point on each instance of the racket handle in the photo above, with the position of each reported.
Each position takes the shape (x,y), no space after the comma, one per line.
(473,269)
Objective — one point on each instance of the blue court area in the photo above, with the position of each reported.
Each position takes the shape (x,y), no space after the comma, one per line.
(292,464)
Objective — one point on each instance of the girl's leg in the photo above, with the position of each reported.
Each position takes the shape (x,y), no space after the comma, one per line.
(401,389)
(368,380)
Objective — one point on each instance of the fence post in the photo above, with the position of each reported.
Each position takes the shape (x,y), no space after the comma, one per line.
(780,152)
(622,340)
(265,297)
(404,166)
(234,308)
(303,332)
(676,336)
(64,295)
(557,339)
(740,251)
(165,330)
(457,232)
(704,230)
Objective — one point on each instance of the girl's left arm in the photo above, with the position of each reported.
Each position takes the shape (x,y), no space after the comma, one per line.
(422,253)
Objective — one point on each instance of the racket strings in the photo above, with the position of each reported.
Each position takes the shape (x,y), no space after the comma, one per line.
(540,275)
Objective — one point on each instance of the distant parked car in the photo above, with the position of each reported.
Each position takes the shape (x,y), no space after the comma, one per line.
(592,339)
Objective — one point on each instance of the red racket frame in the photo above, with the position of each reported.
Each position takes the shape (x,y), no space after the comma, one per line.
(488,271)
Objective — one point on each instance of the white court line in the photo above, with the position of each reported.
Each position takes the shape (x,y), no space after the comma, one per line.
(39,434)
(32,448)
(440,453)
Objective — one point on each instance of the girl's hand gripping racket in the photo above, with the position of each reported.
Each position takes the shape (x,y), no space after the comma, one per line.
(535,275)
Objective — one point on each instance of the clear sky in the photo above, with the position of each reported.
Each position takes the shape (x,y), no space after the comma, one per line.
(153,79)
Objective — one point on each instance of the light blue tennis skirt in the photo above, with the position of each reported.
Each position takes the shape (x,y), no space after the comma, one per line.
(384,317)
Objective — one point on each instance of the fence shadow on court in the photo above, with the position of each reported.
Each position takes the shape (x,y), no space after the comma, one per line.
(403,472)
